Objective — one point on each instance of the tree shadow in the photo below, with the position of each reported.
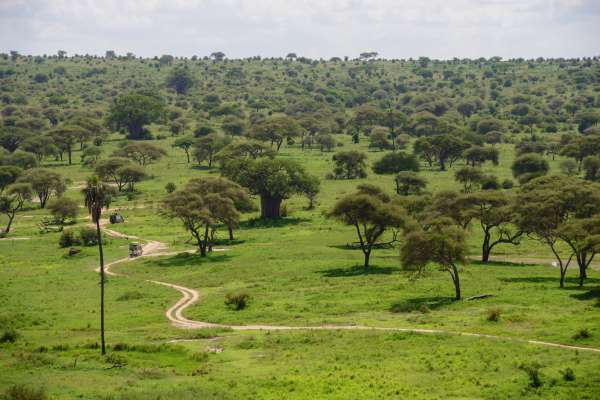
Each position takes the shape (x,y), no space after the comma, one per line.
(255,223)
(591,294)
(186,259)
(344,247)
(423,304)
(547,279)
(201,167)
(497,263)
(357,270)
(227,242)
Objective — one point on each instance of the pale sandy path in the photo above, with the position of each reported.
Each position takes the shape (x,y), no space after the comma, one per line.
(191,297)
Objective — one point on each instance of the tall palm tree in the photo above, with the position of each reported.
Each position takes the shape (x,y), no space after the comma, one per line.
(98,196)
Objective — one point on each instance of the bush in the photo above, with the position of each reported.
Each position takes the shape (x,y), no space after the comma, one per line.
(533,372)
(493,314)
(392,163)
(88,236)
(63,208)
(9,335)
(237,301)
(22,392)
(507,184)
(568,375)
(489,182)
(68,239)
(583,333)
(170,187)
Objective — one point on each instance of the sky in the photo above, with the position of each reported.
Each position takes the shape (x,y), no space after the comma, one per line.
(312,28)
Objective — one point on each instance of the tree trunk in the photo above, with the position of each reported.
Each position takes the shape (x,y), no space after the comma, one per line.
(456,281)
(230,229)
(563,272)
(485,248)
(69,153)
(270,207)
(100,250)
(367,256)
(11,218)
(442,164)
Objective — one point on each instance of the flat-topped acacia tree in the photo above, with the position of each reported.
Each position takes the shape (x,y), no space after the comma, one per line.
(371,212)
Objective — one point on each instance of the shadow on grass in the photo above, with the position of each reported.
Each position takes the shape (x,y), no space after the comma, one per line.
(344,247)
(571,283)
(490,263)
(271,223)
(592,294)
(186,259)
(422,304)
(357,270)
(201,167)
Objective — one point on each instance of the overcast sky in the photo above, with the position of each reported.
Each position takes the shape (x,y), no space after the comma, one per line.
(312,28)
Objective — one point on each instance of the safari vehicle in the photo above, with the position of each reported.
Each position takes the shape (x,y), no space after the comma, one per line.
(135,249)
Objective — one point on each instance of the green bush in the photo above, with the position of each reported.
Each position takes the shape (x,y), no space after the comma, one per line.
(22,392)
(88,236)
(493,314)
(9,335)
(568,375)
(237,301)
(583,333)
(68,239)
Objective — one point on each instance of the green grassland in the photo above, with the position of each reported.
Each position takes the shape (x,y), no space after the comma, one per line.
(298,271)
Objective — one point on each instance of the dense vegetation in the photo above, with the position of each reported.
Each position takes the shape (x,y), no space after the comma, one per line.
(458,195)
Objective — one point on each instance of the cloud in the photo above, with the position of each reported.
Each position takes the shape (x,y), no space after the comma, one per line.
(315,28)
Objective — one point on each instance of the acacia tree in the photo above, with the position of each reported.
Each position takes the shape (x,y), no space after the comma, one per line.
(45,183)
(563,213)
(442,149)
(371,212)
(273,180)
(66,137)
(436,241)
(142,153)
(8,175)
(184,143)
(110,170)
(97,196)
(206,147)
(275,129)
(201,205)
(12,201)
(63,208)
(350,164)
(495,213)
(181,80)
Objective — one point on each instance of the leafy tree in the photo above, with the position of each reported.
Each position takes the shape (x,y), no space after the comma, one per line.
(486,125)
(379,139)
(437,241)
(276,129)
(65,137)
(477,155)
(135,110)
(469,177)
(581,147)
(185,143)
(591,166)
(233,126)
(442,149)
(227,189)
(12,137)
(63,208)
(8,175)
(45,183)
(131,174)
(110,170)
(409,183)
(199,211)
(587,119)
(563,213)
(21,159)
(350,164)
(206,147)
(371,212)
(42,146)
(97,196)
(494,211)
(181,80)
(394,120)
(529,166)
(393,163)
(326,141)
(141,152)
(12,201)
(273,180)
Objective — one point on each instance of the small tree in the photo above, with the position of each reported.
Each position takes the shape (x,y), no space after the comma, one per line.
(438,242)
(371,212)
(185,143)
(276,129)
(444,149)
(8,175)
(477,155)
(63,208)
(97,196)
(110,170)
(141,152)
(206,147)
(350,164)
(45,183)
(130,175)
(379,139)
(469,177)
(181,80)
(409,183)
(392,163)
(135,110)
(529,166)
(12,202)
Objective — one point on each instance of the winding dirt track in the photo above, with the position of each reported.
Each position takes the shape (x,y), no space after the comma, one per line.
(191,297)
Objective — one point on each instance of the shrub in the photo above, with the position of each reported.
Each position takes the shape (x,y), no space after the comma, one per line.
(237,301)
(582,333)
(170,187)
(22,392)
(131,296)
(9,335)
(490,182)
(88,236)
(507,184)
(568,374)
(67,239)
(63,208)
(493,314)
(533,372)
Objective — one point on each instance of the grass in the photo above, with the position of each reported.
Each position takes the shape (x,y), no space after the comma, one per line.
(297,272)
